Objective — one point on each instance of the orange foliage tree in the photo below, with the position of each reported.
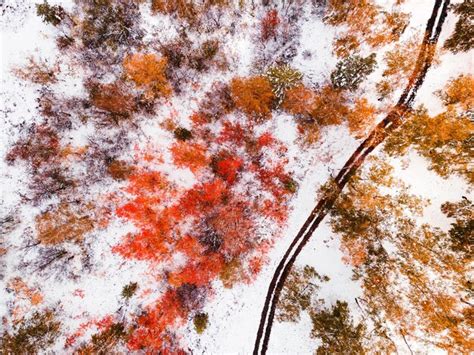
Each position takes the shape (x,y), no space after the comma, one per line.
(315,109)
(299,100)
(253,96)
(460,91)
(364,22)
(361,117)
(189,155)
(330,106)
(148,72)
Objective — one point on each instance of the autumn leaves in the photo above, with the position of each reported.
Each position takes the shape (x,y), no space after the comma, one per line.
(147,71)
(241,184)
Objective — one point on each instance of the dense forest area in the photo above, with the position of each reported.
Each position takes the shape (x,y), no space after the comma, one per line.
(160,157)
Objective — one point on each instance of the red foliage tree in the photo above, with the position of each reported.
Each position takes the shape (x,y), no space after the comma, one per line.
(227,166)
(152,331)
(212,225)
(269,25)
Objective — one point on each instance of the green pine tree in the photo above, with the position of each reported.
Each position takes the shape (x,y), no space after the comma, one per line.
(351,71)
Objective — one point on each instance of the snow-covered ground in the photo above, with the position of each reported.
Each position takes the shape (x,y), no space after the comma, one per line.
(233,313)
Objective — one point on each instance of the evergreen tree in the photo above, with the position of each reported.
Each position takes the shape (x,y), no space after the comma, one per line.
(200,321)
(462,230)
(351,71)
(337,332)
(462,38)
(282,78)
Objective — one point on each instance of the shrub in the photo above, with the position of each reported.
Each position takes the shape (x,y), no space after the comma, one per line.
(282,78)
(252,95)
(218,3)
(49,181)
(183,9)
(38,72)
(52,14)
(119,170)
(200,321)
(175,52)
(148,73)
(109,24)
(350,72)
(41,147)
(209,49)
(182,134)
(217,102)
(200,61)
(129,290)
(210,239)
(64,41)
(191,297)
(112,98)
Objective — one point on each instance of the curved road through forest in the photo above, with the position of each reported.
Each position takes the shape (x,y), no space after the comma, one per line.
(393,120)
